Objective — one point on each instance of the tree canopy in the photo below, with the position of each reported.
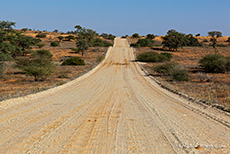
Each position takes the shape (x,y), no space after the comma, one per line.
(12,42)
(174,40)
(82,45)
(214,35)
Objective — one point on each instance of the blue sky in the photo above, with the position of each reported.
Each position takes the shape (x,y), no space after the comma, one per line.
(120,17)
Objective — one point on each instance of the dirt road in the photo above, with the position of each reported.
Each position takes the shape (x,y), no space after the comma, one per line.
(115,108)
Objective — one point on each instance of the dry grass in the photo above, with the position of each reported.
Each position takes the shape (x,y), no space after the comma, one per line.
(15,83)
(217,90)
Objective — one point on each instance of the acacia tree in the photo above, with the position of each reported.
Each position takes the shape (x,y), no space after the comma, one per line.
(174,40)
(87,34)
(135,35)
(13,43)
(150,36)
(215,35)
(79,28)
(39,65)
(7,25)
(82,45)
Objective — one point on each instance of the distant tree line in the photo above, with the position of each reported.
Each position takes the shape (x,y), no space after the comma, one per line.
(174,40)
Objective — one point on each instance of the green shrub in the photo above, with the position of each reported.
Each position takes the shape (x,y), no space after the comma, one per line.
(54,44)
(165,56)
(165,69)
(179,74)
(74,61)
(135,45)
(40,66)
(111,37)
(214,63)
(100,58)
(176,72)
(70,37)
(42,54)
(154,57)
(108,36)
(135,35)
(150,36)
(97,42)
(143,43)
(40,45)
(41,35)
(193,42)
(24,29)
(148,57)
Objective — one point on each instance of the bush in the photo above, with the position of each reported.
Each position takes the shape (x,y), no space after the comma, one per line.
(150,36)
(41,35)
(100,58)
(135,35)
(193,41)
(176,72)
(165,69)
(154,57)
(143,43)
(24,29)
(165,56)
(40,65)
(40,45)
(215,63)
(74,61)
(55,31)
(97,42)
(39,68)
(148,57)
(70,37)
(179,74)
(108,36)
(135,45)
(54,44)
(42,54)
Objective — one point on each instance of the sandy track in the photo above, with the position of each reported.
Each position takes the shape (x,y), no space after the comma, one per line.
(113,109)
